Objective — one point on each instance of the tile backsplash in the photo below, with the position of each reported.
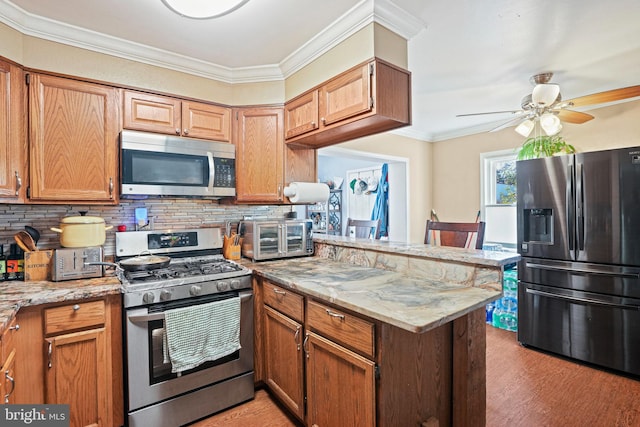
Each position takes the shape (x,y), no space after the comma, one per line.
(166,213)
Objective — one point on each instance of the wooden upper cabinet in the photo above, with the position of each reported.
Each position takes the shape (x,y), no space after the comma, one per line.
(263,164)
(370,98)
(152,113)
(259,139)
(13,144)
(163,114)
(301,114)
(73,141)
(347,95)
(206,121)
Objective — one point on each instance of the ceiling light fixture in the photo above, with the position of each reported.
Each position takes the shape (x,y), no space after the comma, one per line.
(525,127)
(550,123)
(203,9)
(545,94)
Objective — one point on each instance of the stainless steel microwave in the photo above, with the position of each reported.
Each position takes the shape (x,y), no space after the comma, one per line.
(273,239)
(165,165)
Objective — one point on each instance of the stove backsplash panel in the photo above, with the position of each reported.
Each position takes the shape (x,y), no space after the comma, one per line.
(163,213)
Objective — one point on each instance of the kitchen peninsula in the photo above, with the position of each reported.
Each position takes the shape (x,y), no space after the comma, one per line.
(394,333)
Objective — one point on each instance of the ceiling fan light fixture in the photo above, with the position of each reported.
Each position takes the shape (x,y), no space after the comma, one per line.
(545,94)
(203,9)
(550,123)
(525,127)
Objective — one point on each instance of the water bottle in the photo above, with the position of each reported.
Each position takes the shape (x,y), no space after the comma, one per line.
(489,310)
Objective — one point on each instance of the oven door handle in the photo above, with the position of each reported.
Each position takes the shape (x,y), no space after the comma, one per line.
(160,316)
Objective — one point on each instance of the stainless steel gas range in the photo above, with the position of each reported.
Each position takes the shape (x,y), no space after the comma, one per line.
(197,274)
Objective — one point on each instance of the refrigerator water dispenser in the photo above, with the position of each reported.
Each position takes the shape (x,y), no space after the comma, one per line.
(538,226)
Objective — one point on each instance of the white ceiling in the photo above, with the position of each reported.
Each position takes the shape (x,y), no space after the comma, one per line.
(465,56)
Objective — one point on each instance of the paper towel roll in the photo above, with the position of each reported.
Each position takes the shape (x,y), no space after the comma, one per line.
(307,192)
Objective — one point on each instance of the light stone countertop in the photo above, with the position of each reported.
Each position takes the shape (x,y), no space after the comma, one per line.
(416,305)
(419,250)
(16,294)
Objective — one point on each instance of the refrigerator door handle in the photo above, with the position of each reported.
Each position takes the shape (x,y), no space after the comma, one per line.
(582,270)
(570,209)
(582,300)
(580,203)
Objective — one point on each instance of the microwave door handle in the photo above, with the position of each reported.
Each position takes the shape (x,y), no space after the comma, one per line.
(212,172)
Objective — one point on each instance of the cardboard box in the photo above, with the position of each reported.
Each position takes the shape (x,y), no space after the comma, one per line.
(37,265)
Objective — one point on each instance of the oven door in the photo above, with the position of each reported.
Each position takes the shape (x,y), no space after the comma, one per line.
(150,379)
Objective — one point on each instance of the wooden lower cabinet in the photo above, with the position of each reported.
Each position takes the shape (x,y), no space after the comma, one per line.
(340,385)
(77,375)
(284,360)
(362,372)
(71,353)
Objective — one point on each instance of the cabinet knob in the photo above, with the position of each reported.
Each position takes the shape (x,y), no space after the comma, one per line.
(177,131)
(15,328)
(186,131)
(323,120)
(76,307)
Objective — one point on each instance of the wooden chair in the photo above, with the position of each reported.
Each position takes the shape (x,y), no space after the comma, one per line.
(457,234)
(364,228)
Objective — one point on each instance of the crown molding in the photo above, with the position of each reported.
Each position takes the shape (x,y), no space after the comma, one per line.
(366,11)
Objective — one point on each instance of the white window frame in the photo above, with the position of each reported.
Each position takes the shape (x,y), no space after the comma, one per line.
(488,163)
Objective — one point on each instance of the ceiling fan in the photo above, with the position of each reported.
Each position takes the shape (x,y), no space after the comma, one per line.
(544,106)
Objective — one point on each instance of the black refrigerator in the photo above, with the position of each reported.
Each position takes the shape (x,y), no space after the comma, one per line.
(579,238)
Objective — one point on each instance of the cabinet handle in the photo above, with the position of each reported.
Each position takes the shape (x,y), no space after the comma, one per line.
(111,186)
(50,355)
(186,131)
(18,183)
(13,386)
(177,131)
(305,346)
(14,328)
(279,292)
(296,338)
(334,314)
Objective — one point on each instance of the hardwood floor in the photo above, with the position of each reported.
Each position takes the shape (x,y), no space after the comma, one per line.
(525,388)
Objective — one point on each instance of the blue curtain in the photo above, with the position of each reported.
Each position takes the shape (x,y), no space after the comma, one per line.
(381,208)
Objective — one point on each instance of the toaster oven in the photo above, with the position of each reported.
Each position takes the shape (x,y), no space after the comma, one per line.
(69,263)
(273,239)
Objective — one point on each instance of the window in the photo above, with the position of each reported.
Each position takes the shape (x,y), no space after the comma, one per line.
(498,198)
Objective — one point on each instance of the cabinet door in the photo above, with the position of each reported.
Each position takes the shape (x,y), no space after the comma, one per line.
(12,134)
(345,96)
(283,360)
(78,376)
(73,140)
(206,121)
(301,114)
(152,113)
(259,140)
(340,385)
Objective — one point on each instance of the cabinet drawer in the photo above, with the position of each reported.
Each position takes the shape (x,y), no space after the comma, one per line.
(284,300)
(74,316)
(339,326)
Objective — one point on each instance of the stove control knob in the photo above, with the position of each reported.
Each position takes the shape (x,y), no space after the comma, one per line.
(148,298)
(195,290)
(222,286)
(165,295)
(235,284)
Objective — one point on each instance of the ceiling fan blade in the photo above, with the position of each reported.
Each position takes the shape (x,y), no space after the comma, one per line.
(606,96)
(574,116)
(507,124)
(491,112)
